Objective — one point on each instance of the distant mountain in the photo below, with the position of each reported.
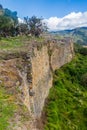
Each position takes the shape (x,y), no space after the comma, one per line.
(79,34)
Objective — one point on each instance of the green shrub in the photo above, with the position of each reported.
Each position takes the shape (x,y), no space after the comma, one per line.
(83,51)
(66,108)
(84,80)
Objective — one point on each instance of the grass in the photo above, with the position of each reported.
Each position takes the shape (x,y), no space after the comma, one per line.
(10,107)
(9,43)
(17,42)
(7,108)
(66,107)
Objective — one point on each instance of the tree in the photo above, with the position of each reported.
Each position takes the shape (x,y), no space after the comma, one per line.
(22,28)
(1,10)
(12,15)
(8,22)
(1,7)
(5,25)
(35,25)
(9,25)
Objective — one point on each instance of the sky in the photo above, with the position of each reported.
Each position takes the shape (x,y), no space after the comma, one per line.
(58,14)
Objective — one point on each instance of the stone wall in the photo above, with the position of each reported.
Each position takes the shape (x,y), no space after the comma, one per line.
(61,52)
(30,74)
(48,58)
(41,78)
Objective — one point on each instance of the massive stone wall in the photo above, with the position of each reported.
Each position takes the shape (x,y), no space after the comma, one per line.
(45,60)
(30,74)
(61,52)
(41,78)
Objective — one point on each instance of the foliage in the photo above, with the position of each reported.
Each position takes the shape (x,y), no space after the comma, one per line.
(79,49)
(8,22)
(23,29)
(35,25)
(84,80)
(66,108)
(1,7)
(10,26)
(12,15)
(83,51)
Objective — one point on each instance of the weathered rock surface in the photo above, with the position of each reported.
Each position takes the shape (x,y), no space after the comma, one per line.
(30,73)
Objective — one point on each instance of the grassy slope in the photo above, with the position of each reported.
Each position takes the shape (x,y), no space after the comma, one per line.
(10,108)
(66,108)
(7,108)
(12,43)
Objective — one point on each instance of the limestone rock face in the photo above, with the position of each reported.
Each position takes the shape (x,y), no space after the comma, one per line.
(61,53)
(41,78)
(9,74)
(30,74)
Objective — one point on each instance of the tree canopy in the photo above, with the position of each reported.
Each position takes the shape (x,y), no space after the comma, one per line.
(10,26)
(8,21)
(35,25)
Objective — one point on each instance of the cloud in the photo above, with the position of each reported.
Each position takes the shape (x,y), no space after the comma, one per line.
(69,21)
(20,20)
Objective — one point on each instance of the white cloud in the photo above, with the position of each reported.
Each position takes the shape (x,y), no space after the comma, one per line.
(20,20)
(69,21)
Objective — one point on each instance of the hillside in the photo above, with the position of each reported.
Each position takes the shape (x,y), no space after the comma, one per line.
(66,106)
(79,35)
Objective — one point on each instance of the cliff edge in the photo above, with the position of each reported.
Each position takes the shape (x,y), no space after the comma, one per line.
(29,73)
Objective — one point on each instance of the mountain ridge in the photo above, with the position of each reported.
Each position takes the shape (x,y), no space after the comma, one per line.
(79,34)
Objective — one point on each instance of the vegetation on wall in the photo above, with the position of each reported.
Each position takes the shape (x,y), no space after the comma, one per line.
(66,106)
(10,108)
(7,108)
